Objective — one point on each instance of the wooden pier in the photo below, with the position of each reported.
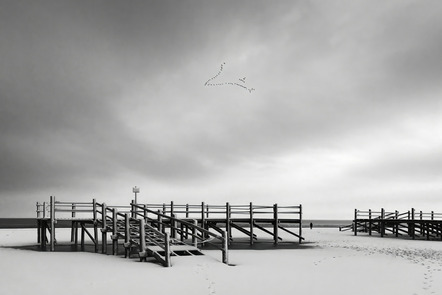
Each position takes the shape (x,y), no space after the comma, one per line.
(165,230)
(413,224)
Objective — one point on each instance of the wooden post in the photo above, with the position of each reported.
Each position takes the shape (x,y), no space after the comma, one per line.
(369,222)
(142,236)
(203,215)
(127,235)
(159,225)
(43,234)
(103,229)
(52,223)
(397,223)
(132,209)
(355,222)
(413,235)
(38,230)
(382,222)
(275,224)
(228,226)
(225,248)
(172,221)
(173,226)
(194,233)
(421,224)
(114,232)
(145,212)
(427,226)
(300,223)
(44,209)
(187,210)
(203,220)
(94,207)
(167,250)
(38,210)
(251,222)
(181,232)
(74,225)
(83,229)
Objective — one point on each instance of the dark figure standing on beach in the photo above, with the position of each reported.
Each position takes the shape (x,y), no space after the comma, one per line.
(311,225)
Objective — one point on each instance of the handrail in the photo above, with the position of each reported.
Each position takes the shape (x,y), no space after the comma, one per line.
(204,232)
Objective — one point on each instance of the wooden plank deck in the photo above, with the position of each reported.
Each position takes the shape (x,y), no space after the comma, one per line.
(164,230)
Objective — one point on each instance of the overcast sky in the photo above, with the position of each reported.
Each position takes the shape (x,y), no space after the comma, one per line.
(100,96)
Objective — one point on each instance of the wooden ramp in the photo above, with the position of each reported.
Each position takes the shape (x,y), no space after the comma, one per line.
(412,224)
(162,231)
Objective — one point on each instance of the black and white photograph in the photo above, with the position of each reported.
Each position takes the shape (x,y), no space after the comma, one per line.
(221,147)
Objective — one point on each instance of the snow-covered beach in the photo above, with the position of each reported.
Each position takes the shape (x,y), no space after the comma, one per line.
(328,262)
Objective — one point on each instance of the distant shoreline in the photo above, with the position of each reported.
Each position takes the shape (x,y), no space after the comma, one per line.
(32,223)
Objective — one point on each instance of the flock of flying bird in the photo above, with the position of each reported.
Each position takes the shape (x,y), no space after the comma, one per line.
(242,80)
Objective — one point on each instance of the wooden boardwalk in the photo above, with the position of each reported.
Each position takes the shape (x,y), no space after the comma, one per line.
(413,224)
(165,230)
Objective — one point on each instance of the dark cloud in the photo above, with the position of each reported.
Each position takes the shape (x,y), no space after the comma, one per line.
(93,92)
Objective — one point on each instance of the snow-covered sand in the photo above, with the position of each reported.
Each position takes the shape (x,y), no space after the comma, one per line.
(329,262)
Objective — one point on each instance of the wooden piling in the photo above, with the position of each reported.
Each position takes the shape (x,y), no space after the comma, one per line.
(251,222)
(370,222)
(127,235)
(143,248)
(194,233)
(52,225)
(300,224)
(275,224)
(73,232)
(225,248)
(114,232)
(167,250)
(228,222)
(83,230)
(94,208)
(355,222)
(382,222)
(103,229)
